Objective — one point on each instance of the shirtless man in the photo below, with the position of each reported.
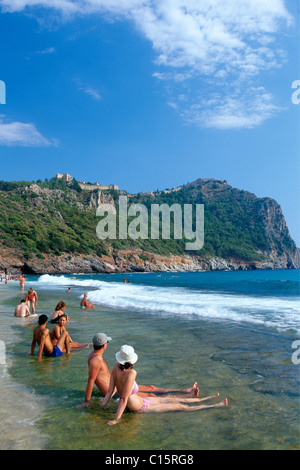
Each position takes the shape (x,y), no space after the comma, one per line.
(22,309)
(99,374)
(42,338)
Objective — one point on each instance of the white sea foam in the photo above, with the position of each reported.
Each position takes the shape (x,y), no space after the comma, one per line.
(272,312)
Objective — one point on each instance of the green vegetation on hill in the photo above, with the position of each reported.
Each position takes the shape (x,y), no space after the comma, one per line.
(40,226)
(61,218)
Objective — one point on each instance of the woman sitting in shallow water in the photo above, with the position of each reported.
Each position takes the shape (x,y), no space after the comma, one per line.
(123,379)
(58,312)
(85,304)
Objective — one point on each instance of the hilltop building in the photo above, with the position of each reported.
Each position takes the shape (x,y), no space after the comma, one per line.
(66,177)
(91,187)
(87,186)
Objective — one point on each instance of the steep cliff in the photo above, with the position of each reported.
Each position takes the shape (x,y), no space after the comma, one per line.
(52,230)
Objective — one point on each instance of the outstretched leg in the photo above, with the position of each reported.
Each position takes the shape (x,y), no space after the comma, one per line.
(152,390)
(75,345)
(164,407)
(182,399)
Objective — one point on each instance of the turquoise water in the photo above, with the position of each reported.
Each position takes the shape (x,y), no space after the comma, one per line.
(232,332)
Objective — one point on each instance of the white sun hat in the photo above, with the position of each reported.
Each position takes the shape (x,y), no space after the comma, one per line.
(126,354)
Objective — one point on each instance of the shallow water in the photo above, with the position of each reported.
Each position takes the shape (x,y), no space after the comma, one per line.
(241,350)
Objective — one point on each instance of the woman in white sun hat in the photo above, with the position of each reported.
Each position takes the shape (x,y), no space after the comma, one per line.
(123,378)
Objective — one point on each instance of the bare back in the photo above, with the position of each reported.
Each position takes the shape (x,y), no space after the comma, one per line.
(99,369)
(22,310)
(124,381)
(40,334)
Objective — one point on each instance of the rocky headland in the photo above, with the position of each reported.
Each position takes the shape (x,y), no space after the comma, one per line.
(34,216)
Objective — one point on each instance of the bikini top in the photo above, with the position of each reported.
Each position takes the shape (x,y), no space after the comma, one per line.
(135,387)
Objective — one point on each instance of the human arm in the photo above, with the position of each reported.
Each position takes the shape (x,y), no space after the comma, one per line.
(54,335)
(33,346)
(124,399)
(36,298)
(94,368)
(42,344)
(111,389)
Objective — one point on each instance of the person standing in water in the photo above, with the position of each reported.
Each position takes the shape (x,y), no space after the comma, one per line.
(22,282)
(32,299)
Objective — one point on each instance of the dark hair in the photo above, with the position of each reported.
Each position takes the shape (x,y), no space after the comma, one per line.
(42,319)
(22,301)
(97,347)
(127,365)
(61,304)
(62,316)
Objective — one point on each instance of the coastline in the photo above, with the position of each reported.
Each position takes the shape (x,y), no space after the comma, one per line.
(135,260)
(245,358)
(19,430)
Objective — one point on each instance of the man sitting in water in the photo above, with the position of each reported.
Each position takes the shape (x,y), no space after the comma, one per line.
(42,338)
(99,374)
(22,309)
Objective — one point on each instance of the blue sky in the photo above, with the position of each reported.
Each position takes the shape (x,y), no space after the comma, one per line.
(150,94)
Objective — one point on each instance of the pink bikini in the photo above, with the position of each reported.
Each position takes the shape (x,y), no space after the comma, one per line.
(146,404)
(135,390)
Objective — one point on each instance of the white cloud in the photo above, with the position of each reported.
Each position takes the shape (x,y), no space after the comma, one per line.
(21,134)
(93,93)
(197,41)
(50,50)
(233,112)
(88,90)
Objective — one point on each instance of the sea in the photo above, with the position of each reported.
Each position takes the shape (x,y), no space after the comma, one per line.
(236,333)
